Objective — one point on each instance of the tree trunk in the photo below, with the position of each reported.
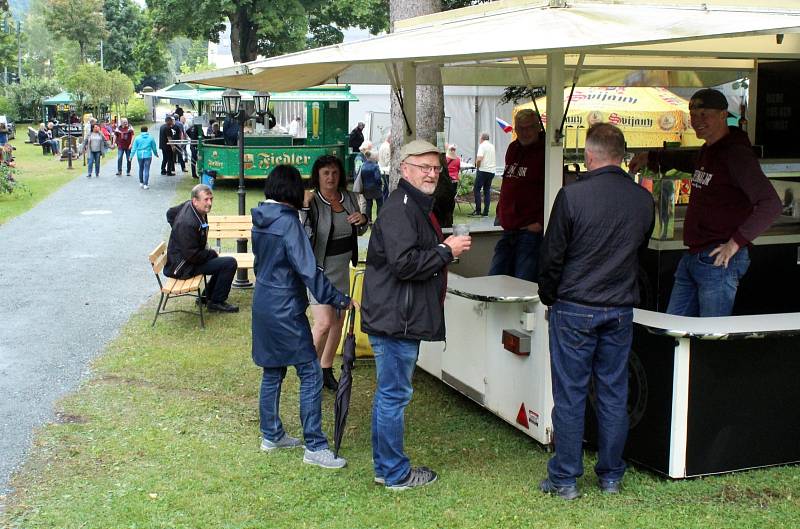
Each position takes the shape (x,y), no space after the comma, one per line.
(430,99)
(243,37)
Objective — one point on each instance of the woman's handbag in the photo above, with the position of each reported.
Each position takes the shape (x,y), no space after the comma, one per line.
(358,184)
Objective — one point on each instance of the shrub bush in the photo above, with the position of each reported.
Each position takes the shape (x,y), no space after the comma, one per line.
(137,111)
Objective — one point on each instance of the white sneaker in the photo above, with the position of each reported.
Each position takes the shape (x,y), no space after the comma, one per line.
(141,185)
(323,458)
(146,187)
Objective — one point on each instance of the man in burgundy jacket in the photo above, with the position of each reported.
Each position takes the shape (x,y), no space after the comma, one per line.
(123,137)
(731,203)
(520,210)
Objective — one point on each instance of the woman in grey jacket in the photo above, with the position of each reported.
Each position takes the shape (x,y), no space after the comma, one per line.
(333,221)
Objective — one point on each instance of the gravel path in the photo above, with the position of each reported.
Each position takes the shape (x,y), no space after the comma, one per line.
(73,271)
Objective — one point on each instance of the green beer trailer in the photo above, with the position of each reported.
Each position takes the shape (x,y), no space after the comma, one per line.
(324,110)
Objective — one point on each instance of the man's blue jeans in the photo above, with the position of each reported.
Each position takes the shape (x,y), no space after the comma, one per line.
(702,289)
(517,254)
(395,360)
(483,184)
(94,161)
(589,342)
(120,154)
(310,375)
(144,170)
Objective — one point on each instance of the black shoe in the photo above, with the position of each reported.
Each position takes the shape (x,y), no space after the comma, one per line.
(569,492)
(475,213)
(328,380)
(418,477)
(163,173)
(221,307)
(119,174)
(610,487)
(485,215)
(170,174)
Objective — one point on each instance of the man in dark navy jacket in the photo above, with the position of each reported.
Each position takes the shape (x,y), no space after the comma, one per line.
(588,265)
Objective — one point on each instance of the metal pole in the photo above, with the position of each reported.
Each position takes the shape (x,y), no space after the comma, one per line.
(19,52)
(241,281)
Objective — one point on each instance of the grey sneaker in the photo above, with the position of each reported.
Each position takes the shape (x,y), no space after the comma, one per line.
(418,477)
(323,458)
(283,442)
(380,480)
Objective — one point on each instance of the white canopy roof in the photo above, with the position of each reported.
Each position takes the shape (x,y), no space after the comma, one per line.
(675,43)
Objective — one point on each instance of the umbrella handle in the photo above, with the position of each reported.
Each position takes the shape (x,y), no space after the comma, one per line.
(352,312)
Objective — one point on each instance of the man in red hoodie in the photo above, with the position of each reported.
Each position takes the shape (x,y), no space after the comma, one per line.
(731,203)
(123,137)
(520,210)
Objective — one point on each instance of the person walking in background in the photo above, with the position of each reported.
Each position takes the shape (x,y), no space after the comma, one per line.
(520,210)
(485,164)
(453,166)
(144,148)
(123,137)
(295,127)
(404,289)
(371,183)
(166,134)
(180,150)
(385,163)
(281,335)
(333,220)
(94,146)
(193,134)
(598,228)
(356,137)
(732,202)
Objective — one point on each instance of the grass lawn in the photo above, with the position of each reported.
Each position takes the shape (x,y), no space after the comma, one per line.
(41,174)
(165,434)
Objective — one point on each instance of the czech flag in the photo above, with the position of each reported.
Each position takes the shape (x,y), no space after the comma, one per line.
(504,125)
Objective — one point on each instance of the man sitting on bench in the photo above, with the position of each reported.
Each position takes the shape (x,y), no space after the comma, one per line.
(187,254)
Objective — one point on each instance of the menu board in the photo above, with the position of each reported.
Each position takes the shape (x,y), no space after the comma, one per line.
(778,113)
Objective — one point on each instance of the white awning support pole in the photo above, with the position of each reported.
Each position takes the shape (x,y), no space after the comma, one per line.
(528,83)
(410,100)
(752,103)
(554,150)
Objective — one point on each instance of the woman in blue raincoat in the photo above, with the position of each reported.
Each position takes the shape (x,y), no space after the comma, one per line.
(285,267)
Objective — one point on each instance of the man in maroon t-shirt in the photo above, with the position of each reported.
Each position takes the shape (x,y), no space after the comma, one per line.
(520,210)
(731,203)
(123,138)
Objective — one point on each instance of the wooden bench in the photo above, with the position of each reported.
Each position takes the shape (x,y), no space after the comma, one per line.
(174,288)
(232,227)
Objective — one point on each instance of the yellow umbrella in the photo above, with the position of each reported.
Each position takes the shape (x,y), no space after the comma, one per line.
(649,116)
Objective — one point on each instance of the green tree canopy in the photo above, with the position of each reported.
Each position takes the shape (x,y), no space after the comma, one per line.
(78,20)
(27,96)
(89,85)
(268,27)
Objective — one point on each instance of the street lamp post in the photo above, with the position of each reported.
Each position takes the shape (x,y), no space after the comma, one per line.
(233,107)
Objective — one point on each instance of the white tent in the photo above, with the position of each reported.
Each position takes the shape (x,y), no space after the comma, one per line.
(512,42)
(480,45)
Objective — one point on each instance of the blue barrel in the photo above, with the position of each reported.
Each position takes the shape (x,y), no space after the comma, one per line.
(208,178)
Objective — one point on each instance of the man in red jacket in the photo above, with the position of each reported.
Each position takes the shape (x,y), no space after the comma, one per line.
(520,210)
(123,137)
(731,203)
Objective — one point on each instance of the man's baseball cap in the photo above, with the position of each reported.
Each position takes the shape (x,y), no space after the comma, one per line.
(417,147)
(708,98)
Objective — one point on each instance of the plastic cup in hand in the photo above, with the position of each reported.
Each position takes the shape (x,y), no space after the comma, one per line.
(460,229)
